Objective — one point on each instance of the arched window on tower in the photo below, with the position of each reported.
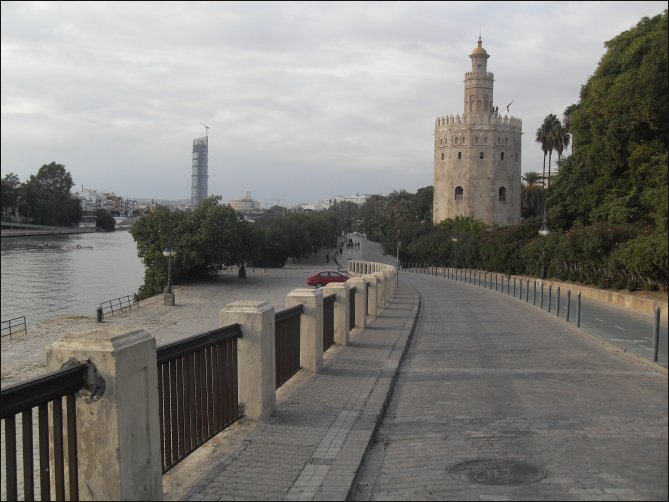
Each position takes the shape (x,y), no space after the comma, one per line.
(459,155)
(459,193)
(502,194)
(442,155)
(502,155)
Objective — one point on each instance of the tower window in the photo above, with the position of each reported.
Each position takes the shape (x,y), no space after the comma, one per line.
(502,155)
(442,156)
(502,194)
(459,193)
(480,155)
(459,155)
(476,139)
(462,140)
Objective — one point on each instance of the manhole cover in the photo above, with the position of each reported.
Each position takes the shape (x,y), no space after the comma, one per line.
(497,472)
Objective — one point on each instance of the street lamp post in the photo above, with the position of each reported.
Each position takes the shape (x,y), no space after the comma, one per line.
(168,296)
(544,231)
(455,256)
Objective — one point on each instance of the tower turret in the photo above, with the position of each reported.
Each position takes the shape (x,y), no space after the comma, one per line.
(479,83)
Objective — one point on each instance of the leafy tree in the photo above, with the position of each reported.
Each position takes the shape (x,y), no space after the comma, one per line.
(48,199)
(10,192)
(618,172)
(104,220)
(210,235)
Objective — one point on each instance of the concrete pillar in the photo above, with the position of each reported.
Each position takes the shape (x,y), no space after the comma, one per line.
(341,311)
(118,427)
(390,286)
(255,355)
(380,291)
(311,326)
(360,301)
(373,282)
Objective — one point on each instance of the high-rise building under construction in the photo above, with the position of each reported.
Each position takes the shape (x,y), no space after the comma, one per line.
(200,175)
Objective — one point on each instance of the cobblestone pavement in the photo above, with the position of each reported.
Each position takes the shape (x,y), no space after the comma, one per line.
(486,377)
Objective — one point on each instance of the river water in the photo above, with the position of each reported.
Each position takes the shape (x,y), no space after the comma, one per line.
(48,276)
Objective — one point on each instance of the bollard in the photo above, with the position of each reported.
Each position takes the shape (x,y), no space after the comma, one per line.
(99,314)
(578,310)
(520,291)
(550,294)
(568,303)
(558,302)
(508,284)
(495,282)
(541,305)
(527,292)
(514,287)
(656,333)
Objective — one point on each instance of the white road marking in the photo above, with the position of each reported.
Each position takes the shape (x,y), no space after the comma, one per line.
(598,319)
(621,329)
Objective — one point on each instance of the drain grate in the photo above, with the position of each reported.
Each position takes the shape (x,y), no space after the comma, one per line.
(497,472)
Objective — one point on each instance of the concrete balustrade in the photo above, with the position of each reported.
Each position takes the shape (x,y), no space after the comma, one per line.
(342,313)
(119,427)
(255,355)
(311,326)
(372,283)
(360,301)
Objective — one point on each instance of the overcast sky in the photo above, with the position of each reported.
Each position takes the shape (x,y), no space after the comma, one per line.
(304,100)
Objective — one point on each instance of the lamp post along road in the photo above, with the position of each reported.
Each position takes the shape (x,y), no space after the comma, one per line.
(168,296)
(544,231)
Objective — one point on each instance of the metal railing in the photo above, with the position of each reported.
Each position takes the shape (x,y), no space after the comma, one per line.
(10,327)
(118,304)
(328,321)
(287,343)
(45,393)
(197,391)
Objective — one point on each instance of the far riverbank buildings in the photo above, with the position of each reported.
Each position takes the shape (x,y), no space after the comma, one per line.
(198,191)
(477,155)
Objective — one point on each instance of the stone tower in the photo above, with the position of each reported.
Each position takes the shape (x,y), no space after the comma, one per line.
(477,161)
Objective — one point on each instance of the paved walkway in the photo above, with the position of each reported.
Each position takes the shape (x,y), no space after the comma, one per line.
(488,377)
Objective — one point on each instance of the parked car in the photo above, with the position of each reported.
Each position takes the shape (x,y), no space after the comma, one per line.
(320,279)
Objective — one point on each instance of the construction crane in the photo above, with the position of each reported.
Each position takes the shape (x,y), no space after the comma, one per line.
(206,129)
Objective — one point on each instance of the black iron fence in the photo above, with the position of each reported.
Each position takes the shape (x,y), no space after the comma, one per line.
(328,321)
(117,305)
(15,325)
(287,343)
(45,393)
(197,391)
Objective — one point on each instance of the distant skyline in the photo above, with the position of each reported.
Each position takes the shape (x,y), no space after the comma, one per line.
(305,100)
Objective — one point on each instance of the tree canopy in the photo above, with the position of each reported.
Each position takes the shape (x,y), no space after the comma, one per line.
(618,171)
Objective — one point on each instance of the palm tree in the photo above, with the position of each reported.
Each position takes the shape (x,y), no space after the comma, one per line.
(541,138)
(531,195)
(567,123)
(550,126)
(562,138)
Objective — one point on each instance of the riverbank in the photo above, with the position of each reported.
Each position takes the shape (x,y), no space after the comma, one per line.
(197,310)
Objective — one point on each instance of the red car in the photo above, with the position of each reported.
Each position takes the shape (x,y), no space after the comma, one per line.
(327,276)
